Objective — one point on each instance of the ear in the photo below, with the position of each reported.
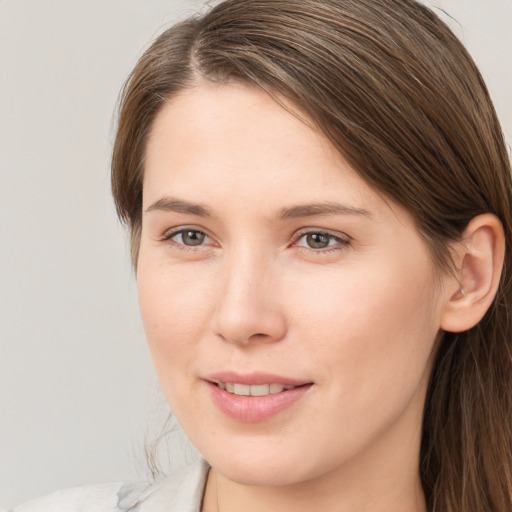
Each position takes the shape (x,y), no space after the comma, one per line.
(479,258)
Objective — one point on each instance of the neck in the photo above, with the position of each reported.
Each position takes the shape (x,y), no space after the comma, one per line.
(376,480)
(231,497)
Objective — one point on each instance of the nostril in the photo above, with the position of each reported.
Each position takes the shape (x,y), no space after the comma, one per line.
(244,322)
(259,336)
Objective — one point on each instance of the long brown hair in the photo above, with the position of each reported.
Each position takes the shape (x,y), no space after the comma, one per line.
(397,94)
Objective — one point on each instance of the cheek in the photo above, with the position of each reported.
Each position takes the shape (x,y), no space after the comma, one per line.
(371,334)
(372,328)
(174,306)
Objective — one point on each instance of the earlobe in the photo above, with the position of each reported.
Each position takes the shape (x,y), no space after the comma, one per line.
(480,257)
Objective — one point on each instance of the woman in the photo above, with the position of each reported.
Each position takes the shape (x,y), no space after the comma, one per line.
(318,195)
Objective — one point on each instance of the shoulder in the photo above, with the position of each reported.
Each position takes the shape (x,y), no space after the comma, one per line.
(100,498)
(181,491)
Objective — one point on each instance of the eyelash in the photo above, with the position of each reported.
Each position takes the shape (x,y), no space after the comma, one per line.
(168,238)
(341,243)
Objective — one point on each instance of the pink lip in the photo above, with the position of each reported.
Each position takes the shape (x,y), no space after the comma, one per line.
(255,409)
(254,378)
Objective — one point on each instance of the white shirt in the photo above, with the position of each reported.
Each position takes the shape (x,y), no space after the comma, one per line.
(180,492)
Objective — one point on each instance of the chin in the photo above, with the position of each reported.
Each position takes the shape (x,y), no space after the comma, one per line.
(264,473)
(274,464)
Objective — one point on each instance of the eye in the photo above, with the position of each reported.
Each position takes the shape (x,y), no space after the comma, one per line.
(188,237)
(320,240)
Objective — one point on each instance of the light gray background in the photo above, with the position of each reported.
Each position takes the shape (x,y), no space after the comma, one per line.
(77,392)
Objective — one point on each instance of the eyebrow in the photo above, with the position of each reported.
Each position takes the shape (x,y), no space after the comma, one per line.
(169,204)
(329,208)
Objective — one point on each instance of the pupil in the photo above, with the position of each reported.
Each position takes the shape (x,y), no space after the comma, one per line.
(193,237)
(318,240)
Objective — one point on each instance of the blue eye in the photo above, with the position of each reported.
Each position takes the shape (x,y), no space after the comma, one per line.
(320,240)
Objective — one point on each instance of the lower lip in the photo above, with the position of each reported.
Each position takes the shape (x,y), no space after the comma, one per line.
(255,409)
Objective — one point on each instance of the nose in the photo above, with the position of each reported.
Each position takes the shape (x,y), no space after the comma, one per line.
(249,309)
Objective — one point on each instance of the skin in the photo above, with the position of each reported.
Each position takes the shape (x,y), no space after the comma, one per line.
(358,318)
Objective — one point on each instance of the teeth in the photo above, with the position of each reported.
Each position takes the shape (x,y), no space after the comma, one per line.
(254,390)
(242,389)
(276,388)
(261,390)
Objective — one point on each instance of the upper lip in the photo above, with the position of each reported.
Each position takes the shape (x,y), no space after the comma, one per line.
(254,378)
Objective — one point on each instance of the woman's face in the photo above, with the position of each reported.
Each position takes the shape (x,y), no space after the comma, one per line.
(266,262)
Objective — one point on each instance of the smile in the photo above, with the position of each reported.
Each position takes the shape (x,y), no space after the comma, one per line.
(255,397)
(253,390)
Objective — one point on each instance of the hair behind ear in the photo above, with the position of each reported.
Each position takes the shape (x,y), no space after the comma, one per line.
(467,428)
(467,433)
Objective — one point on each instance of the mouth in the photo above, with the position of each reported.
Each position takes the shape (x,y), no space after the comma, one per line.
(257,397)
(240,389)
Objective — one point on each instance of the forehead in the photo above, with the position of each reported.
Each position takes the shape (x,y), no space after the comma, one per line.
(234,144)
(234,117)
